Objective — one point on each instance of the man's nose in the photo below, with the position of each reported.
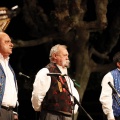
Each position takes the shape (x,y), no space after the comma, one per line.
(11,45)
(67,57)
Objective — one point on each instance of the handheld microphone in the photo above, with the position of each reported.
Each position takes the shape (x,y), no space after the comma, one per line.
(114,90)
(21,74)
(56,74)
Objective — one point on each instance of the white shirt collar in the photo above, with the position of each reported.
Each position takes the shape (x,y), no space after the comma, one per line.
(118,69)
(63,70)
(2,58)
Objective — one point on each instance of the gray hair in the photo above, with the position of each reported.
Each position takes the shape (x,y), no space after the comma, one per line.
(55,49)
(116,57)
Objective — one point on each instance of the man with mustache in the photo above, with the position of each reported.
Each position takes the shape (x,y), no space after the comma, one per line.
(50,94)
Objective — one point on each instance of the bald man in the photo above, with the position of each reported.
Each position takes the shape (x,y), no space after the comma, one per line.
(8,83)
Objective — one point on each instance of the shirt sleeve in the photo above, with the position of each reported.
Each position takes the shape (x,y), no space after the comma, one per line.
(40,87)
(76,95)
(106,96)
(74,92)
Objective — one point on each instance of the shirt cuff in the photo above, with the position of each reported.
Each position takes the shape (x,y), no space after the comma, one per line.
(110,116)
(15,113)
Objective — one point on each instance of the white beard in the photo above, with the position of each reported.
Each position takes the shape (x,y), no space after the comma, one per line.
(66,63)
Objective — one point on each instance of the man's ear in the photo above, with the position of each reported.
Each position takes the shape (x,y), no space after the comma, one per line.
(54,55)
(118,64)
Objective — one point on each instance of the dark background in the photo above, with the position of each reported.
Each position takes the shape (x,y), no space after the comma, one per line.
(36,57)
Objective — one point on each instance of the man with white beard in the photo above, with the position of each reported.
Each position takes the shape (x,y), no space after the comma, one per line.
(50,93)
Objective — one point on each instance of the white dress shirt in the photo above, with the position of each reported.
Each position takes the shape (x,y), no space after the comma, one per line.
(10,93)
(106,96)
(42,84)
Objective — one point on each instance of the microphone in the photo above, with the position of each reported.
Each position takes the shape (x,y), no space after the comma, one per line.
(21,74)
(56,74)
(114,90)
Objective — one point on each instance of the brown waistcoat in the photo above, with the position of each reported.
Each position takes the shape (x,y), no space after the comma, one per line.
(57,98)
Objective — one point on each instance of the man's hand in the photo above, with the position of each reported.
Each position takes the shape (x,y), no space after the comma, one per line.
(15,116)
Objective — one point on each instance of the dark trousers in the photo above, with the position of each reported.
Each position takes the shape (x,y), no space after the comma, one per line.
(6,114)
(117,118)
(51,116)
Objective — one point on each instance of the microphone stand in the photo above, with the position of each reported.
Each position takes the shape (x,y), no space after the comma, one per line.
(76,101)
(114,93)
(116,99)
